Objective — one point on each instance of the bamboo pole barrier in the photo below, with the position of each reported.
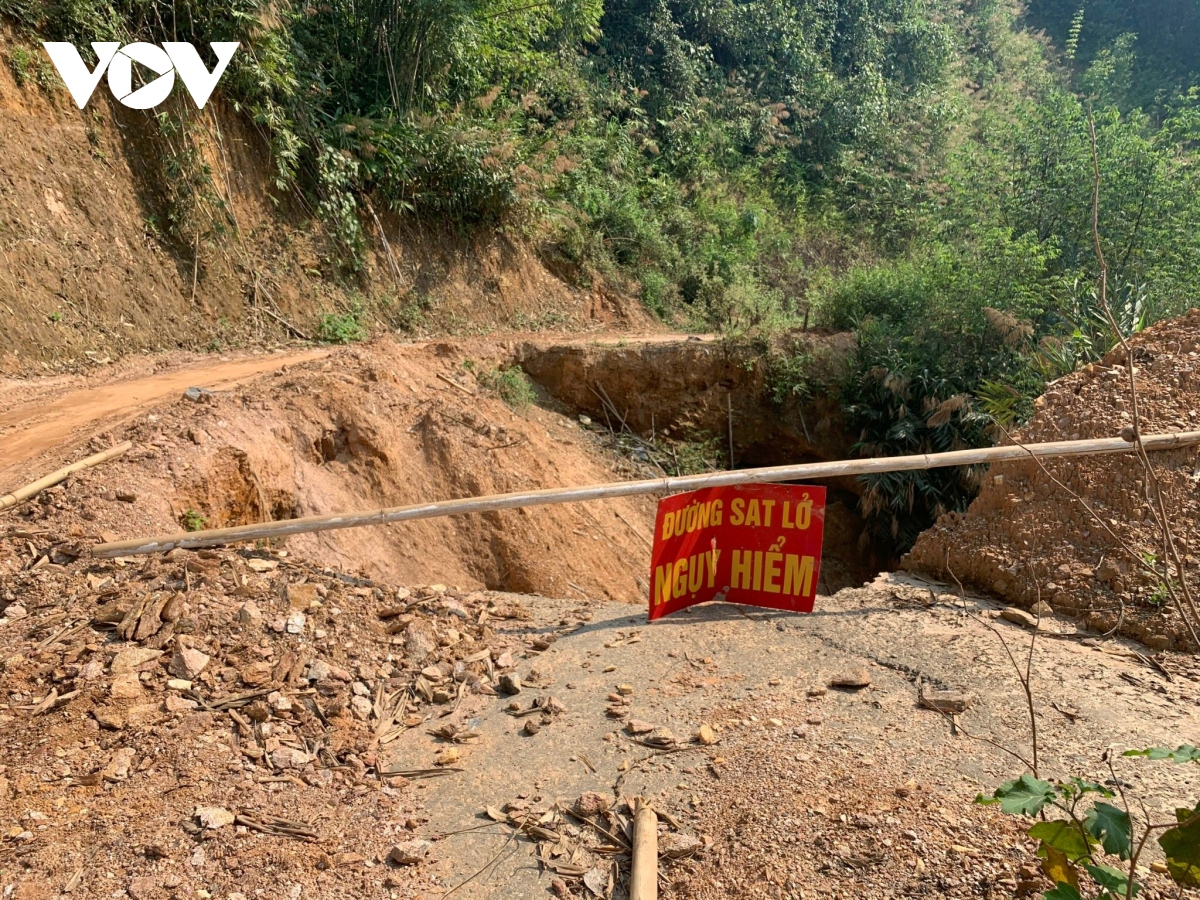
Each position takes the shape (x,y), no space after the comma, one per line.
(54,478)
(643,876)
(547,497)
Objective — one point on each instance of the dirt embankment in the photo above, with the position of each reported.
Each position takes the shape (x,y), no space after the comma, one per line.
(1026,536)
(377,425)
(89,269)
(700,387)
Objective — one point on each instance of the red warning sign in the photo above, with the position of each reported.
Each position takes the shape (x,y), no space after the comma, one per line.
(757,544)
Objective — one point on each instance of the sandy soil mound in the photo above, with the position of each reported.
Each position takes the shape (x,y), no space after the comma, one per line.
(376,425)
(1024,533)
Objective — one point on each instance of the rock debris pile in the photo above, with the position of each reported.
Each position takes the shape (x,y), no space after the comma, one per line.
(1028,536)
(158,714)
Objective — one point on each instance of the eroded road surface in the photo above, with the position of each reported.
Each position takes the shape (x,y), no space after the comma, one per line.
(60,413)
(832,791)
(43,416)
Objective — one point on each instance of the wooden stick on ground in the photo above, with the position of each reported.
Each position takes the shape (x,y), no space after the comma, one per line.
(803,471)
(643,878)
(61,475)
(455,384)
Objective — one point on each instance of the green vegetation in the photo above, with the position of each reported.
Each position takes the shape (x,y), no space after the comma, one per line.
(1076,850)
(688,456)
(29,66)
(193,521)
(917,170)
(512,385)
(1151,43)
(343,328)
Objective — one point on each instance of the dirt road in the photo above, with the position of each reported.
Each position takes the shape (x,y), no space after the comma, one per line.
(807,784)
(57,413)
(60,413)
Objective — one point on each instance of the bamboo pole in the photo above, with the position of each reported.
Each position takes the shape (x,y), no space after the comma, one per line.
(61,475)
(547,497)
(643,877)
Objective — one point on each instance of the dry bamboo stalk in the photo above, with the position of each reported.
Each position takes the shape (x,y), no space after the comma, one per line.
(643,877)
(455,384)
(803,471)
(55,477)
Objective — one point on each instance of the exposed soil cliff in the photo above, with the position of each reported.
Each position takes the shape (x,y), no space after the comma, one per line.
(90,270)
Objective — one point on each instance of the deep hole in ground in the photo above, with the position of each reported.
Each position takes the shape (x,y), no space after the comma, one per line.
(390,424)
(693,390)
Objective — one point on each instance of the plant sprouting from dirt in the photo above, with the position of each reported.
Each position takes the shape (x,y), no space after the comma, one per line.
(342,328)
(790,378)
(194,520)
(512,385)
(30,67)
(1076,852)
(1094,832)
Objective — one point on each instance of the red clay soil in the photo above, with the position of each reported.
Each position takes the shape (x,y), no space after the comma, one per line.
(1026,538)
(54,418)
(375,425)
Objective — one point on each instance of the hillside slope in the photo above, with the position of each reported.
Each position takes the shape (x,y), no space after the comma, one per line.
(88,271)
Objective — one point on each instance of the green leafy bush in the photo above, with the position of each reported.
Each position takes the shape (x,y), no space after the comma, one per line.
(512,385)
(441,172)
(343,328)
(1076,851)
(194,521)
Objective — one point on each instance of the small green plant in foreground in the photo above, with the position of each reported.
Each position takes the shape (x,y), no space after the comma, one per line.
(1075,851)
(194,521)
(1161,595)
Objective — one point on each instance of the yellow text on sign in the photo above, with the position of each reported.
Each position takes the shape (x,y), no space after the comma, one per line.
(772,572)
(756,514)
(686,576)
(692,518)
